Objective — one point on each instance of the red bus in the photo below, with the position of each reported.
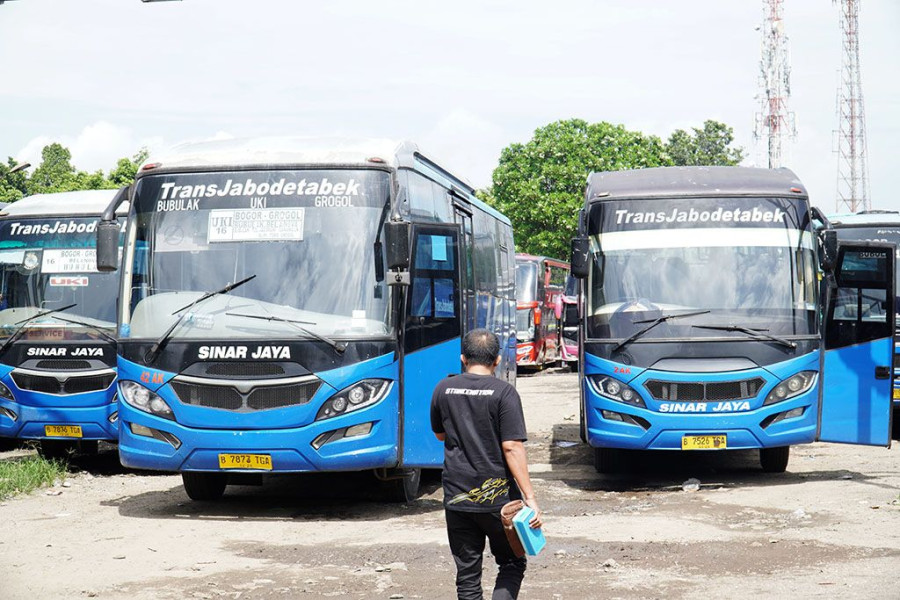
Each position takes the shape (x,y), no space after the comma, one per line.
(567,313)
(539,280)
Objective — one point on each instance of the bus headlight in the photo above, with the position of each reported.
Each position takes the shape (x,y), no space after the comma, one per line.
(5,392)
(615,390)
(143,399)
(791,387)
(359,395)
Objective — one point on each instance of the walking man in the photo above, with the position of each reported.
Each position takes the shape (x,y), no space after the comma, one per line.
(479,418)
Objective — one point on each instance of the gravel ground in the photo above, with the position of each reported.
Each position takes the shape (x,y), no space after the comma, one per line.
(829,527)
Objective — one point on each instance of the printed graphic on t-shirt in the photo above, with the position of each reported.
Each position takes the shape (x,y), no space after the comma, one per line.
(468,392)
(489,491)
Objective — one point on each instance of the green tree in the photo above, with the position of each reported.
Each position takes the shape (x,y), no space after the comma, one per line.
(55,173)
(540,185)
(126,168)
(12,185)
(711,145)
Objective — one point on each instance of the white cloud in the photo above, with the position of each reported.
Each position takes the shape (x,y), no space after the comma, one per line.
(468,143)
(97,146)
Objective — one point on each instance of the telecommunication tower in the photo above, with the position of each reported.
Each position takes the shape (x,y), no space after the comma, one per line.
(775,122)
(853,168)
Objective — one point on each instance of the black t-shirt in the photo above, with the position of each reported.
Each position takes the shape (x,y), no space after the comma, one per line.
(478,413)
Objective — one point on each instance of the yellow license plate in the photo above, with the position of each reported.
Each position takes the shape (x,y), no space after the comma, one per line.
(73,431)
(245,461)
(896,393)
(703,442)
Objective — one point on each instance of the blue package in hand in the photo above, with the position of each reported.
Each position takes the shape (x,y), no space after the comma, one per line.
(532,539)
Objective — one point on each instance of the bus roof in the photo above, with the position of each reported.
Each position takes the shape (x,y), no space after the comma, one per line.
(669,182)
(293,152)
(862,219)
(87,203)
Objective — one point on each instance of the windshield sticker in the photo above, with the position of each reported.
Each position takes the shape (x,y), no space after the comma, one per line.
(53,228)
(704,238)
(324,187)
(255,224)
(719,215)
(69,281)
(74,260)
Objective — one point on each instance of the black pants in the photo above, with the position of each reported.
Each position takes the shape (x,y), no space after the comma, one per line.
(467,531)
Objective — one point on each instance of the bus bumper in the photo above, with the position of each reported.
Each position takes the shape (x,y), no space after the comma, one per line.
(526,354)
(650,430)
(150,442)
(29,422)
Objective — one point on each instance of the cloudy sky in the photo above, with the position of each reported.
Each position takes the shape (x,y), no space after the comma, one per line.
(463,78)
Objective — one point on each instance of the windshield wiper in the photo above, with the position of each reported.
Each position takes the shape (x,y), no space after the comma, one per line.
(21,329)
(96,328)
(756,333)
(207,295)
(158,344)
(337,346)
(654,323)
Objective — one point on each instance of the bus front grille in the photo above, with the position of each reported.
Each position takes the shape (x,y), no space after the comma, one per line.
(62,385)
(248,397)
(63,365)
(244,369)
(685,391)
(210,396)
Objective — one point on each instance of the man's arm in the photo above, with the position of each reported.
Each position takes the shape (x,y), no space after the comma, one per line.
(517,461)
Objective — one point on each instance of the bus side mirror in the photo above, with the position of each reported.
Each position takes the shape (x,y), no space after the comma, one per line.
(580,250)
(108,246)
(828,244)
(396,238)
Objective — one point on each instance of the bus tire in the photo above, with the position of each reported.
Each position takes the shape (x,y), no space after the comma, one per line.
(774,460)
(204,486)
(56,449)
(610,460)
(404,489)
(573,366)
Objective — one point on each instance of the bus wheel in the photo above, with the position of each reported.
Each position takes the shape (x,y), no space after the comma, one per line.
(56,449)
(610,460)
(204,486)
(774,460)
(573,366)
(404,489)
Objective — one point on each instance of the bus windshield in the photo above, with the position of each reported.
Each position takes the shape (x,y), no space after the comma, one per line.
(727,261)
(306,237)
(47,264)
(526,282)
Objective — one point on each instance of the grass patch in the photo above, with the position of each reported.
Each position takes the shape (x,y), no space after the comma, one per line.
(24,475)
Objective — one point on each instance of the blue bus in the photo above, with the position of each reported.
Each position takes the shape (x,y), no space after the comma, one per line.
(288,305)
(703,326)
(875,226)
(57,322)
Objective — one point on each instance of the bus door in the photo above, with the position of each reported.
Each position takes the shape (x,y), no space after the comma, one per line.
(855,395)
(432,328)
(463,216)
